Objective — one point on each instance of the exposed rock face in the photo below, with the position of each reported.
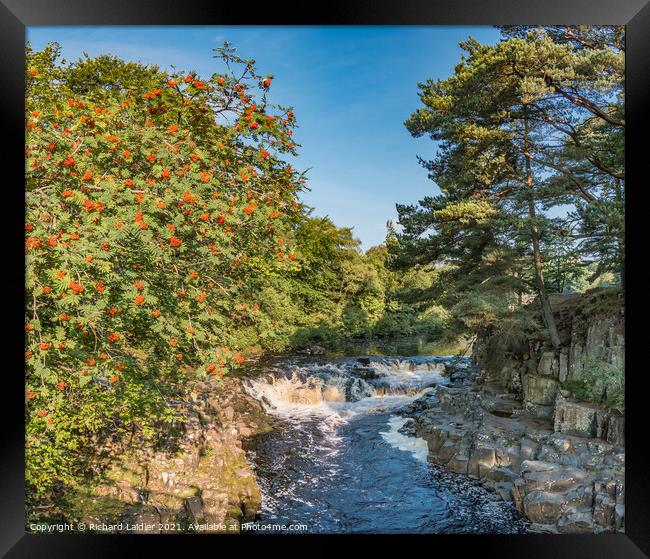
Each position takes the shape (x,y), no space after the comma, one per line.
(559,474)
(561,460)
(588,420)
(539,390)
(591,327)
(202,478)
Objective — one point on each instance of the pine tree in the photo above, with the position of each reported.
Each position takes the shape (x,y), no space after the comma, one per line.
(530,123)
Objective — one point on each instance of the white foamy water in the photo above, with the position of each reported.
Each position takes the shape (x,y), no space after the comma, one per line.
(327,396)
(337,461)
(409,374)
(415,445)
(344,389)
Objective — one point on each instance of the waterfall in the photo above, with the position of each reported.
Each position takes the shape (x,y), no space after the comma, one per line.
(346,387)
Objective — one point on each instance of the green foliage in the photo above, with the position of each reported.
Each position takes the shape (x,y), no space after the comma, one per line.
(150,223)
(600,382)
(566,271)
(532,123)
(165,240)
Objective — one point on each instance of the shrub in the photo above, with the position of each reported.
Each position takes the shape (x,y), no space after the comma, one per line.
(600,382)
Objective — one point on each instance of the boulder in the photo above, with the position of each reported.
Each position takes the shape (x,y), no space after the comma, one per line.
(548,365)
(616,430)
(582,497)
(619,516)
(538,411)
(518,492)
(539,390)
(435,438)
(504,490)
(501,474)
(543,507)
(603,514)
(458,463)
(448,450)
(528,449)
(501,406)
(510,457)
(575,418)
(481,461)
(576,522)
(215,504)
(366,373)
(194,509)
(556,479)
(576,360)
(409,428)
(563,367)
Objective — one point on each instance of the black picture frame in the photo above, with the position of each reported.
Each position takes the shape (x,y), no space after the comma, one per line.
(16,15)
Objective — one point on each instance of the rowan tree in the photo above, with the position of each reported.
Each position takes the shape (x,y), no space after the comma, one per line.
(154,202)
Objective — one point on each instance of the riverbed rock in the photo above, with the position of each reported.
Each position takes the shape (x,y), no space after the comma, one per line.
(576,522)
(603,513)
(481,461)
(549,476)
(502,405)
(616,429)
(459,463)
(448,450)
(583,459)
(543,507)
(500,474)
(194,508)
(619,517)
(365,372)
(554,477)
(409,428)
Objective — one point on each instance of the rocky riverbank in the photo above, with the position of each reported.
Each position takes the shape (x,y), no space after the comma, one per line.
(198,480)
(513,419)
(511,422)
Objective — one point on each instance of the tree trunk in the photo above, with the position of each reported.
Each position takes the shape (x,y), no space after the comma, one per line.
(621,241)
(547,311)
(621,270)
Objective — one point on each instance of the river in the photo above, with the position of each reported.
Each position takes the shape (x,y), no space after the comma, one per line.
(340,460)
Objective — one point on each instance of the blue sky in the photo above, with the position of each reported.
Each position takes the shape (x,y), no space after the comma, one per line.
(352,89)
